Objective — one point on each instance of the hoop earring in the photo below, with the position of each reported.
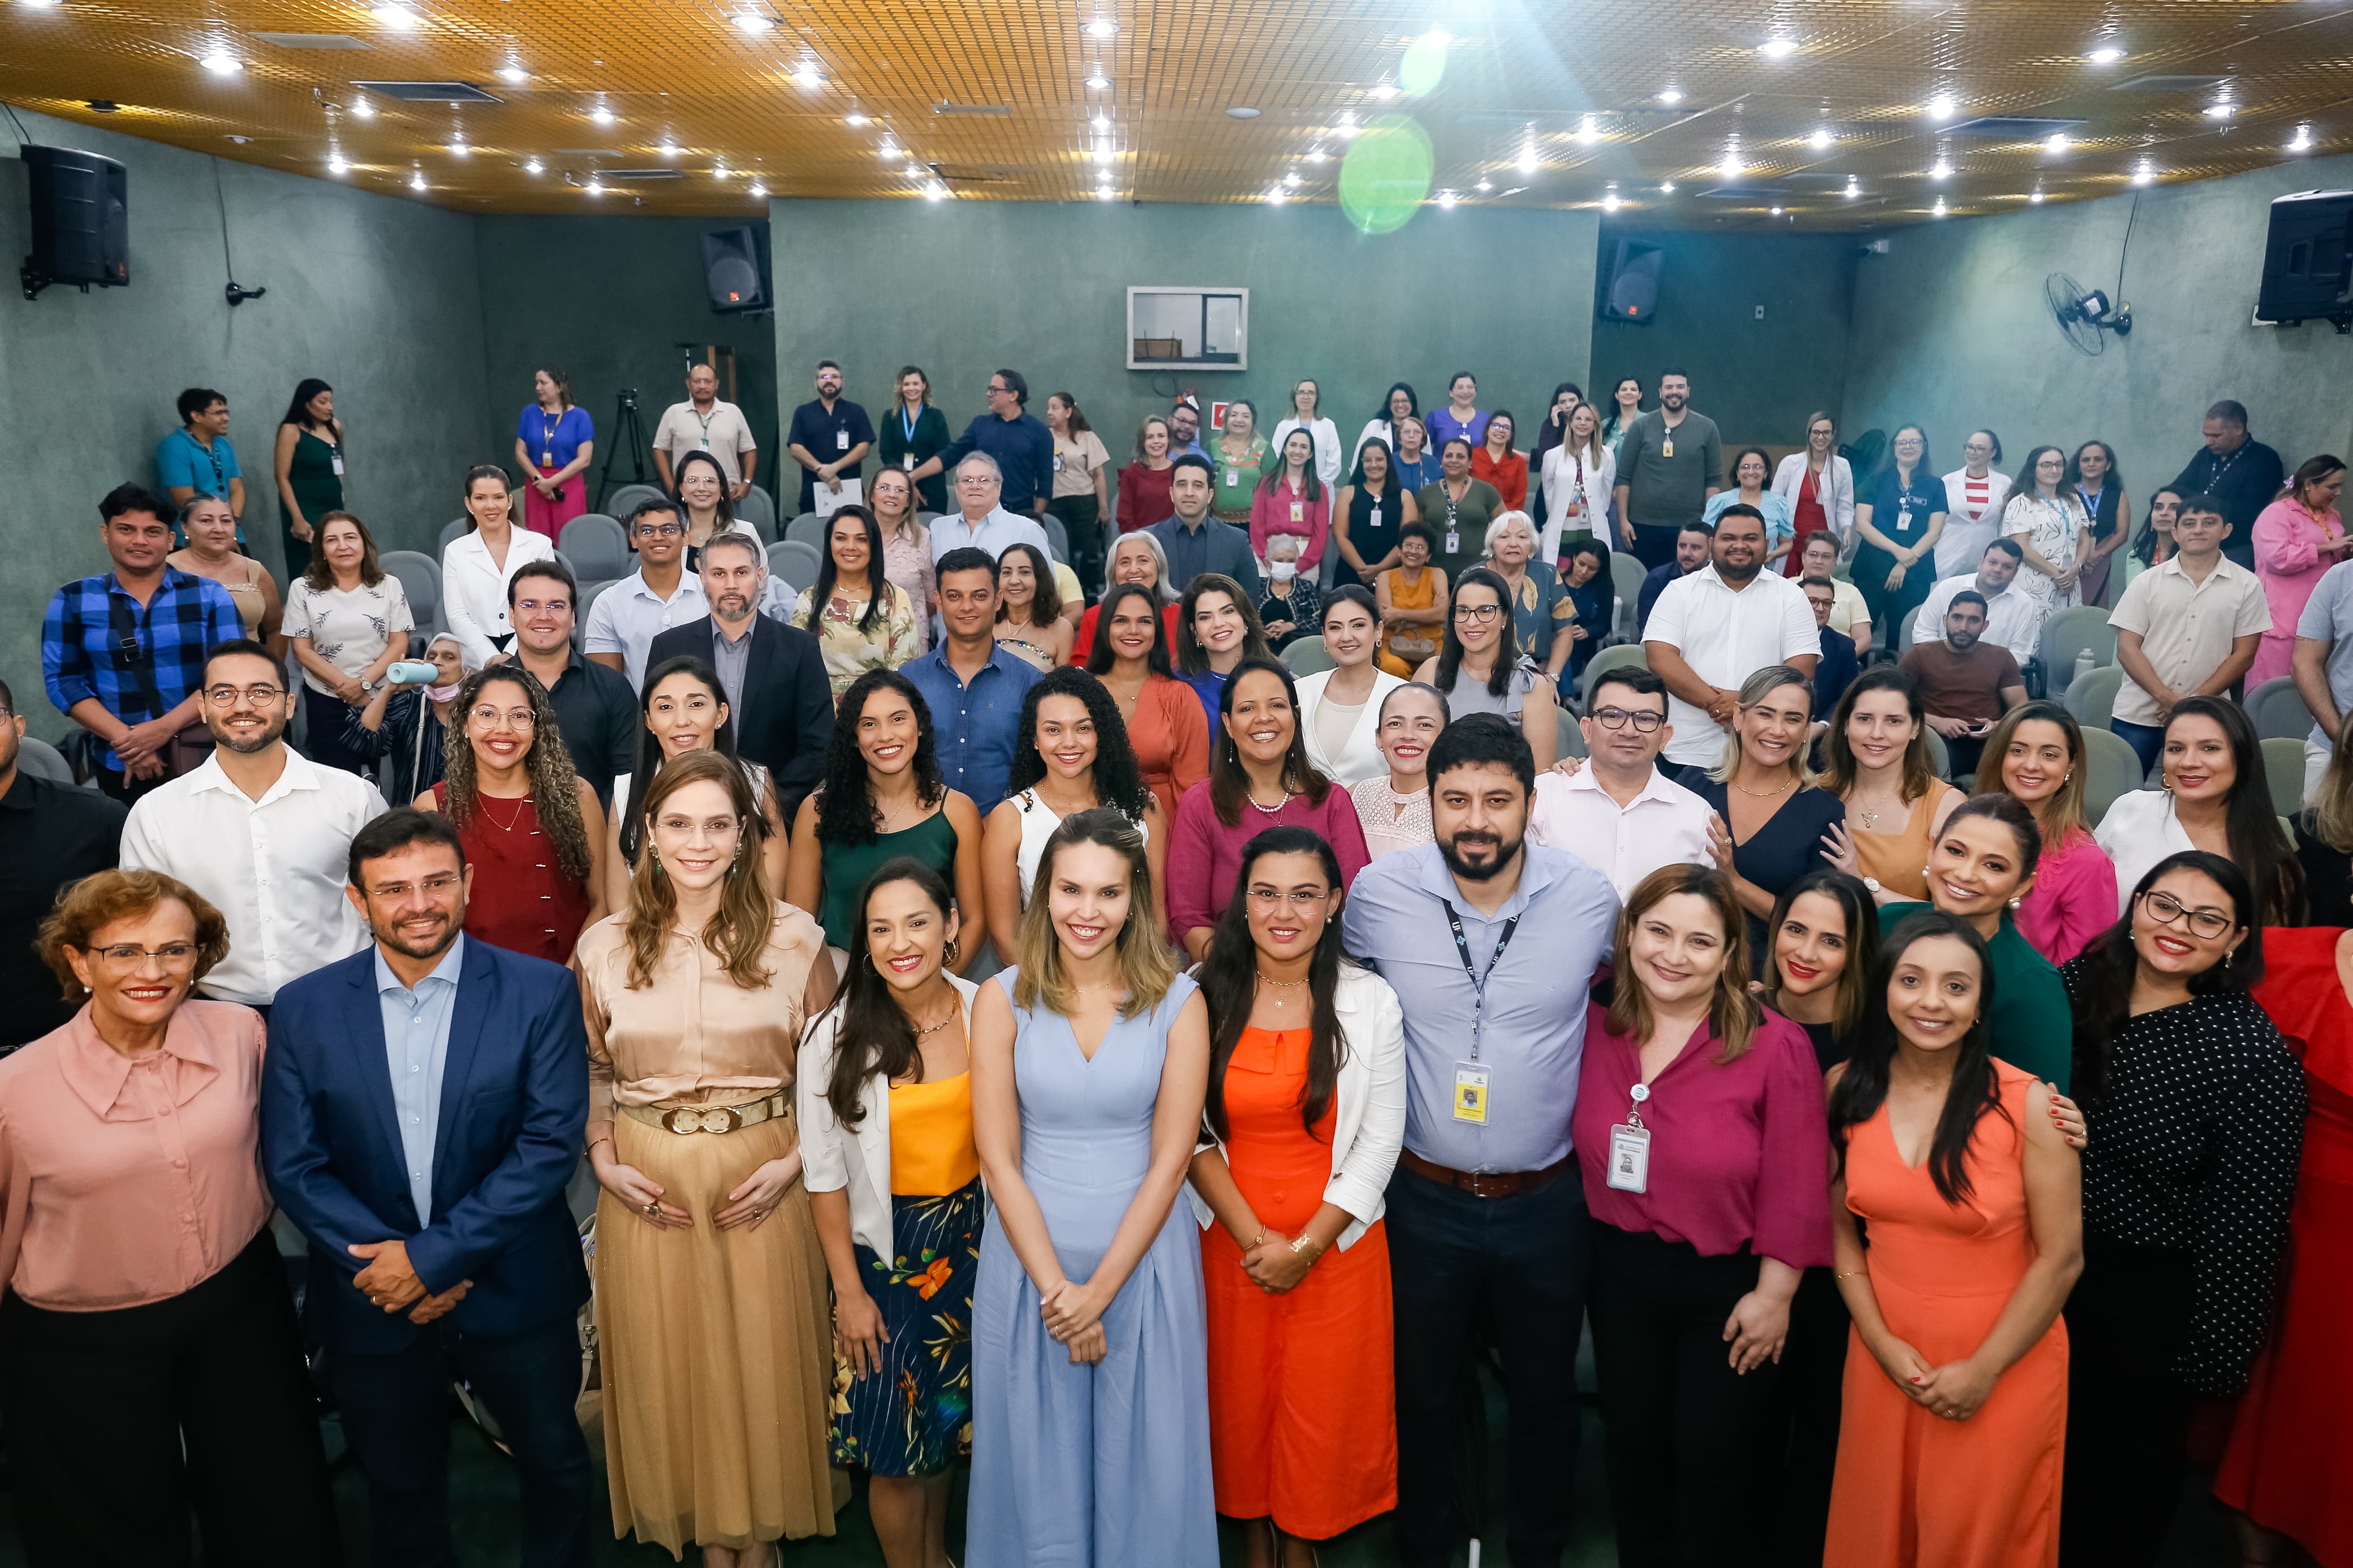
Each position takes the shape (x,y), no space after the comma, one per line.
(948,952)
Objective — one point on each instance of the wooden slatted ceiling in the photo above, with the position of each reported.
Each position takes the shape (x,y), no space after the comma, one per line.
(680,73)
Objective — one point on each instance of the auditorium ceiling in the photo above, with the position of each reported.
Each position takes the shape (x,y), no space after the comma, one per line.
(1815,114)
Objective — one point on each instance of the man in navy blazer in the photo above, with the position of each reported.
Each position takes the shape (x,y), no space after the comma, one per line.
(422,1107)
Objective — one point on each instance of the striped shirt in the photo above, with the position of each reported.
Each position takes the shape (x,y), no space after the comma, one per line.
(83,656)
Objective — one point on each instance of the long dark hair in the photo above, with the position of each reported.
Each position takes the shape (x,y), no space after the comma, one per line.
(2249,826)
(1045,600)
(872,1034)
(1974,1090)
(2111,483)
(1508,645)
(1389,480)
(1311,479)
(723,517)
(1841,770)
(845,807)
(650,755)
(1862,915)
(554,785)
(2100,981)
(1100,656)
(1229,783)
(1191,657)
(1119,778)
(880,589)
(1229,981)
(298,412)
(1414,411)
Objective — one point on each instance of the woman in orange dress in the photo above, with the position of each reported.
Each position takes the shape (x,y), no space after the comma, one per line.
(1954,1416)
(1165,726)
(1306,1106)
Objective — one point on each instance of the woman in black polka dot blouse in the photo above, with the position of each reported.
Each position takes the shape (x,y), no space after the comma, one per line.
(2196,1109)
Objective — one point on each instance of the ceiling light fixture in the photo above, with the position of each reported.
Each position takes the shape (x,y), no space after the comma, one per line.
(2105,55)
(1317,155)
(1666,187)
(513,74)
(888,148)
(594,188)
(457,149)
(1778,49)
(1940,170)
(2055,143)
(1348,126)
(1096,81)
(1437,39)
(1292,179)
(2222,111)
(1853,187)
(2303,139)
(855,119)
(759,190)
(809,75)
(1528,164)
(37,5)
(416,181)
(534,167)
(1939,208)
(669,148)
(601,115)
(1941,106)
(1104,193)
(335,165)
(222,64)
(1446,199)
(1103,27)
(1486,185)
(754,23)
(1610,203)
(2035,195)
(1100,122)
(719,170)
(1274,198)
(936,192)
(363,109)
(1106,152)
(1384,90)
(1776,212)
(2145,172)
(1731,167)
(398,17)
(1589,130)
(1672,95)
(1821,140)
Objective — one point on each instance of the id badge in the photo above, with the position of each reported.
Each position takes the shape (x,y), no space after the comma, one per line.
(1454,542)
(706,444)
(1471,1093)
(1299,512)
(841,440)
(1233,477)
(1630,1159)
(546,460)
(1667,448)
(1372,517)
(907,461)
(1058,462)
(338,461)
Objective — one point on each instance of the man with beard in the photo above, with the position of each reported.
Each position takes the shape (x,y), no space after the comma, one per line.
(1965,683)
(421,1107)
(774,675)
(1693,541)
(2013,616)
(1670,465)
(259,830)
(1486,1215)
(1714,629)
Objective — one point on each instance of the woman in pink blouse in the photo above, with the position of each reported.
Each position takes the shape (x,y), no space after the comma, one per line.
(1260,777)
(2296,538)
(2036,754)
(1705,1151)
(1291,498)
(149,1362)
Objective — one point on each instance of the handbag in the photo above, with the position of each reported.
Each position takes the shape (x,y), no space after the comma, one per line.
(184,753)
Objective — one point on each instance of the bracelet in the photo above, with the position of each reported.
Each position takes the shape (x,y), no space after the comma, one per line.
(1302,1241)
(1254,1240)
(1849,1274)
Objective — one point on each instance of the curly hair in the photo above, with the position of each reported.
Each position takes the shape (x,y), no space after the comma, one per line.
(845,810)
(100,899)
(1119,778)
(554,782)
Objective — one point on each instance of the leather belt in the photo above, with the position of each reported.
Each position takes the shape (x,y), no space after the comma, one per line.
(1484,1183)
(713,1118)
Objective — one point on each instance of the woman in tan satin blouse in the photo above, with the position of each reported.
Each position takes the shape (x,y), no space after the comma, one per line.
(710,1283)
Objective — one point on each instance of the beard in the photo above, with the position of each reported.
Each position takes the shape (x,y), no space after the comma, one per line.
(1672,399)
(1732,574)
(410,947)
(1506,851)
(1962,641)
(246,748)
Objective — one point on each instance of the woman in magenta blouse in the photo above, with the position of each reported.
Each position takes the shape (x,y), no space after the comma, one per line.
(1291,498)
(1260,777)
(1702,1140)
(2296,538)
(2036,755)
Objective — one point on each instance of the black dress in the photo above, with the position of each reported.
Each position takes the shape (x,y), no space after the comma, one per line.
(1785,848)
(1372,540)
(1803,1437)
(2328,877)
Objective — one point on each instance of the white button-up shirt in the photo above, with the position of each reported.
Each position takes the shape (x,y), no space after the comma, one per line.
(274,867)
(1666,824)
(626,616)
(2186,626)
(997,529)
(2013,618)
(1727,634)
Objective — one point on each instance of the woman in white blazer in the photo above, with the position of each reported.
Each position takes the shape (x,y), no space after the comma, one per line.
(894,1175)
(1833,481)
(479,563)
(1579,473)
(1304,1117)
(1340,708)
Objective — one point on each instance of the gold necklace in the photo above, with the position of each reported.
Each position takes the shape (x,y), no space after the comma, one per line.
(1763,794)
(1284,985)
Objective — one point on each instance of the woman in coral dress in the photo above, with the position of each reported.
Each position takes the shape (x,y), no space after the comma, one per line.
(1954,1416)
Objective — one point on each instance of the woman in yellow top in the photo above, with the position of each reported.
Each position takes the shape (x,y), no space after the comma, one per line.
(894,1175)
(1413,602)
(710,1286)
(861,618)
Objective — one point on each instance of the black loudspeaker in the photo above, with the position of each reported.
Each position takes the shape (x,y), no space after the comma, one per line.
(731,270)
(81,220)
(1632,294)
(2309,260)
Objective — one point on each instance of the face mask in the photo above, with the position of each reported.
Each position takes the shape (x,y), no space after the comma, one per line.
(1283,571)
(443,693)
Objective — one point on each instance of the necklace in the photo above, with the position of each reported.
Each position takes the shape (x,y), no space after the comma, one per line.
(930,1029)
(1271,810)
(1264,979)
(1869,819)
(482,804)
(1763,794)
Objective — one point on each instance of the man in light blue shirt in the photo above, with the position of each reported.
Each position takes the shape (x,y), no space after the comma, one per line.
(972,683)
(196,459)
(660,595)
(415,1049)
(978,520)
(1489,942)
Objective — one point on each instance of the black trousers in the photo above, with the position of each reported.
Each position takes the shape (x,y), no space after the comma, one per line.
(2127,1414)
(1804,1428)
(1686,1432)
(395,1411)
(1512,1269)
(1654,545)
(322,734)
(121,1424)
(118,785)
(1082,520)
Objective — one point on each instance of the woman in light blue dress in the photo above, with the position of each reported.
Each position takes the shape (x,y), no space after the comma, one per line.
(1090,1434)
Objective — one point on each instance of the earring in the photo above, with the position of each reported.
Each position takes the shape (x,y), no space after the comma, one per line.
(948,952)
(2014,903)
(2227,956)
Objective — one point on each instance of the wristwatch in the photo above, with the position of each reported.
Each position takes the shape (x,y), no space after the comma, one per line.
(1872,883)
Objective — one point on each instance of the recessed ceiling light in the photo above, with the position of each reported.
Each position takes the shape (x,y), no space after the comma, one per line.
(1778,49)
(854,118)
(1941,106)
(1666,187)
(1100,122)
(1104,152)
(1610,203)
(221,64)
(1102,27)
(754,22)
(399,18)
(1242,111)
(1104,193)
(1853,187)
(809,75)
(1446,199)
(594,188)
(1672,95)
(514,74)
(2220,110)
(1348,126)
(534,167)
(1097,81)
(1776,212)
(1437,39)
(1275,197)
(1589,130)
(1486,185)
(416,181)
(601,115)
(759,190)
(2035,195)
(335,165)
(2105,55)
(2146,173)
(1939,208)
(1940,170)
(2303,139)
(363,109)
(1821,140)
(457,149)
(37,5)
(719,171)
(1731,168)
(1292,179)
(1528,162)
(669,148)
(1317,155)
(914,170)
(888,148)
(2055,143)
(1384,90)
(936,192)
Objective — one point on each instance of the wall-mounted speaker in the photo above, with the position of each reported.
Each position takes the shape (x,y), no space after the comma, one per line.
(732,272)
(2309,260)
(1632,292)
(81,220)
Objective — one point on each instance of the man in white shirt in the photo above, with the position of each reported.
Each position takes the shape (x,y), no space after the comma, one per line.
(261,832)
(2013,616)
(2190,627)
(979,522)
(1618,812)
(658,595)
(706,423)
(1714,629)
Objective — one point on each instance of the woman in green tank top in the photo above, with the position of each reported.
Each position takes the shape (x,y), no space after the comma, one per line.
(882,797)
(310,469)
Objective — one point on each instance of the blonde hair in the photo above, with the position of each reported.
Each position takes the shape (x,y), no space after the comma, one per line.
(737,935)
(1732,1011)
(1753,690)
(2330,815)
(1146,967)
(2062,817)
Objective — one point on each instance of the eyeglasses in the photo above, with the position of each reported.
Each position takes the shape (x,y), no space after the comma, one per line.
(432,887)
(976,480)
(1482,613)
(1644,721)
(2166,909)
(659,530)
(127,957)
(1299,901)
(533,607)
(230,696)
(491,718)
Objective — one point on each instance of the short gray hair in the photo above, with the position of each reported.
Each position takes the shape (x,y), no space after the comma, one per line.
(1162,590)
(1504,519)
(985,461)
(733,540)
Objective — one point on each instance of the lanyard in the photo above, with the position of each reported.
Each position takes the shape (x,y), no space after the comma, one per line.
(1478,979)
(907,424)
(220,478)
(547,429)
(2091,499)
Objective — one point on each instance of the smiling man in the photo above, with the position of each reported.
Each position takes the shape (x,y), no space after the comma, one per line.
(1712,630)
(1967,684)
(595,708)
(973,684)
(1620,813)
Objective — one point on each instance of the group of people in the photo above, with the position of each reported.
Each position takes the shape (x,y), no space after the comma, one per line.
(1022,1019)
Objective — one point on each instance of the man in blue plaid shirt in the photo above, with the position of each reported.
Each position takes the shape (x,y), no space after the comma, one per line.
(123,652)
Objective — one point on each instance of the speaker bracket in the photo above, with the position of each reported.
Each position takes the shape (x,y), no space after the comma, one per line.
(35,280)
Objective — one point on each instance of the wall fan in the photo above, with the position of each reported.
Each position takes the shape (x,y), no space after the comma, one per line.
(2085,316)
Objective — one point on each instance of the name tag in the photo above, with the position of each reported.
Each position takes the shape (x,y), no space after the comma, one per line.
(1471,1093)
(1299,512)
(546,460)
(1454,542)
(1058,461)
(1233,477)
(908,462)
(1373,517)
(337,461)
(1630,1159)
(841,440)
(1667,448)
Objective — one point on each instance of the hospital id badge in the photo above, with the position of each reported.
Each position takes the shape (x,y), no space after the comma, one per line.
(1471,1093)
(1299,512)
(1233,477)
(1058,461)
(1372,517)
(546,460)
(908,462)
(1630,1159)
(1667,448)
(1454,542)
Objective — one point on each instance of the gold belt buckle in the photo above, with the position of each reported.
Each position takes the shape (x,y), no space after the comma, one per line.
(686,1118)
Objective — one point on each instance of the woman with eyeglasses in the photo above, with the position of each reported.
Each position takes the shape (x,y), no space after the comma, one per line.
(1877,764)
(1416,465)
(2036,757)
(1577,476)
(1397,407)
(1457,508)
(2196,1110)
(531,829)
(859,617)
(1751,469)
(150,1363)
(1303,1121)
(1393,808)
(684,709)
(1818,487)
(1899,517)
(1481,669)
(702,489)
(1143,482)
(407,726)
(1974,495)
(1307,413)
(1499,465)
(1542,617)
(2049,525)
(2215,795)
(906,545)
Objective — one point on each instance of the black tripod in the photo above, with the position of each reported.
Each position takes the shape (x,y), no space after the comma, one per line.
(629,435)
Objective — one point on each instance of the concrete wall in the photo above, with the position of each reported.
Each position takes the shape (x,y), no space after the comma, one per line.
(1950,330)
(377,296)
(964,288)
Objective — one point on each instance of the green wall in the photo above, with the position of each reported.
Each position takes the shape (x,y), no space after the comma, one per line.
(964,288)
(1950,330)
(376,295)
(1757,377)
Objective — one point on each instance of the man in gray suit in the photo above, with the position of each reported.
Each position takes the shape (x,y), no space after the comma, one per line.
(1196,542)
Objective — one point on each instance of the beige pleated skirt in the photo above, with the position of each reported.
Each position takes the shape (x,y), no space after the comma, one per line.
(718,1350)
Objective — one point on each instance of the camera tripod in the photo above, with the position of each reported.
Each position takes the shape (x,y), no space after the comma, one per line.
(629,435)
